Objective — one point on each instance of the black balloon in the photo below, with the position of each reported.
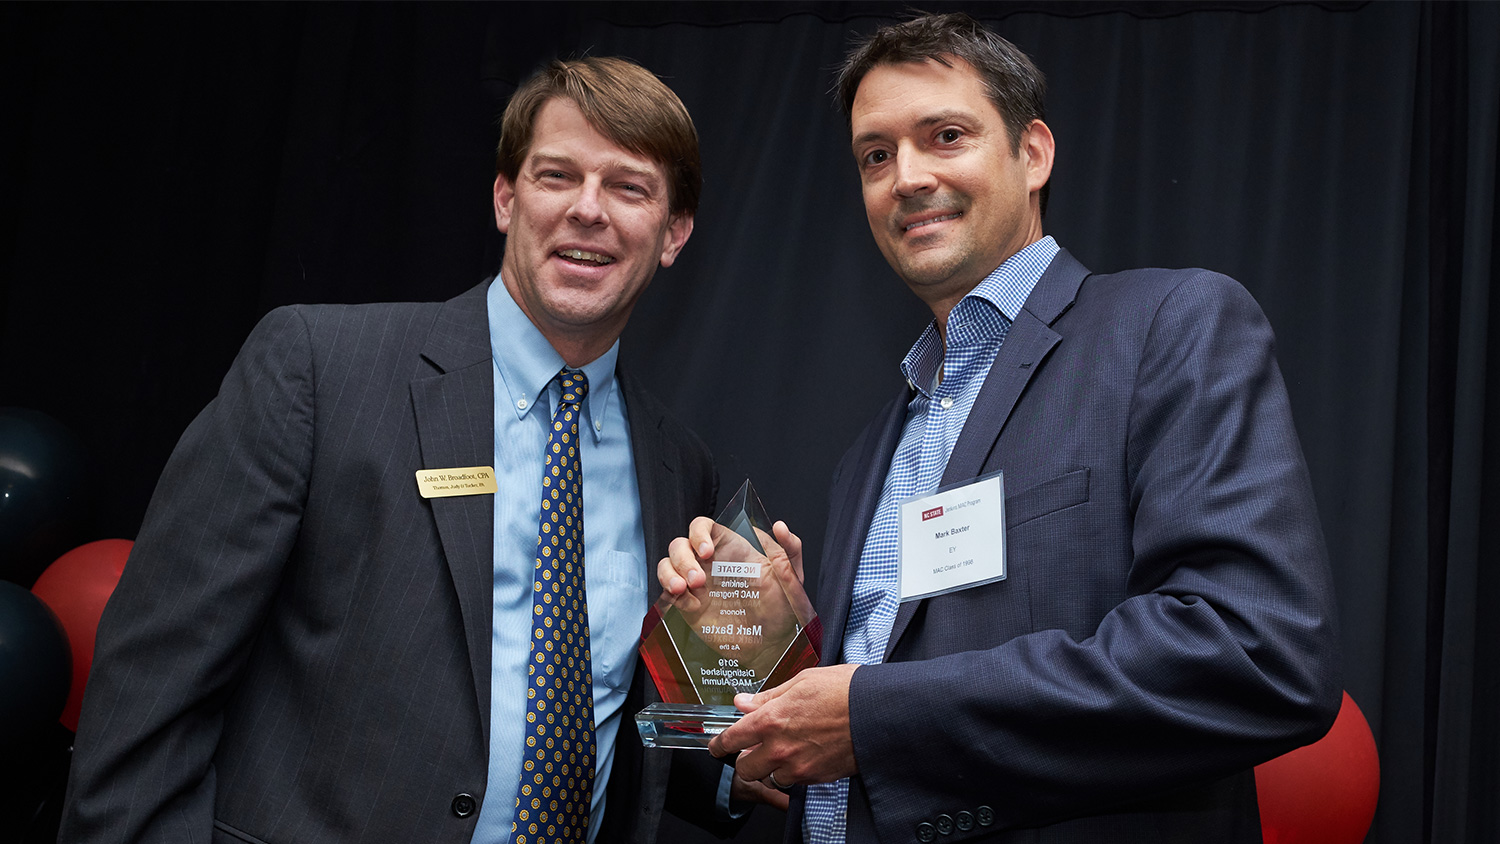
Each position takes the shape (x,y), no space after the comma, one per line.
(41,492)
(33,782)
(35,666)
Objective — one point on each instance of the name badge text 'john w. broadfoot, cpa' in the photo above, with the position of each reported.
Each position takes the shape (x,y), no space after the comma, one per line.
(468,480)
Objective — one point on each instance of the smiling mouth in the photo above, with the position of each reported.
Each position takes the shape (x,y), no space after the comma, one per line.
(583,257)
(921,223)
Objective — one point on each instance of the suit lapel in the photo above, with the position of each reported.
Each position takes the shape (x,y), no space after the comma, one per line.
(849,523)
(1026,348)
(658,478)
(657,475)
(455,415)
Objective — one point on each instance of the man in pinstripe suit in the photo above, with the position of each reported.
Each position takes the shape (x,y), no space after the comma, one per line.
(308,644)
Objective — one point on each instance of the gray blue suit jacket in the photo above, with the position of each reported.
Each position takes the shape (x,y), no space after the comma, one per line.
(299,649)
(1168,618)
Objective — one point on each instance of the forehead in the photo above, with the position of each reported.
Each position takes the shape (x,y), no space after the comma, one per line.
(894,95)
(561,132)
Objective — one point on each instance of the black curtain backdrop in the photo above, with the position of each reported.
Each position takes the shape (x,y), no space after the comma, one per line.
(168,173)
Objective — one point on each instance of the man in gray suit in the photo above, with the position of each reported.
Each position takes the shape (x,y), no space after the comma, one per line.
(337,623)
(1153,614)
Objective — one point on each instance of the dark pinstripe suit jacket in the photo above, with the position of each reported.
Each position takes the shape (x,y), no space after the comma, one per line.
(1168,619)
(299,649)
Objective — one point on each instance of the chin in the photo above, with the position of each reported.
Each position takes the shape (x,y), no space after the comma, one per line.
(576,317)
(928,273)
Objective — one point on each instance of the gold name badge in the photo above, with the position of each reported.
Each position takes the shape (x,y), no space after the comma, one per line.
(468,480)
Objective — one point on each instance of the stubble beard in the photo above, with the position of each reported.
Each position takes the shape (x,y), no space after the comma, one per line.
(930,268)
(930,272)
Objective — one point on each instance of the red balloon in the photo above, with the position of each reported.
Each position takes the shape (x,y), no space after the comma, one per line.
(76,586)
(1324,793)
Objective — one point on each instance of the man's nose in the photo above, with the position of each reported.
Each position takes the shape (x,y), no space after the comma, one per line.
(913,172)
(588,205)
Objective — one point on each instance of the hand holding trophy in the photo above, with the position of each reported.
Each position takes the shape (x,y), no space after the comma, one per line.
(748,625)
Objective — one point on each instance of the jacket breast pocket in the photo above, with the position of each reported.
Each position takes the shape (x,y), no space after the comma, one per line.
(226,834)
(1066,490)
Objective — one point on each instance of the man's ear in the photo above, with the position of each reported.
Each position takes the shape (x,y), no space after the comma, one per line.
(505,196)
(1037,149)
(678,231)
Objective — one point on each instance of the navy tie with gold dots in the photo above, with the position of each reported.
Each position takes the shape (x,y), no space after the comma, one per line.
(557,771)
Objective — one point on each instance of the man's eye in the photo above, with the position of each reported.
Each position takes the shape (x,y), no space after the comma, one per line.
(879,156)
(949,136)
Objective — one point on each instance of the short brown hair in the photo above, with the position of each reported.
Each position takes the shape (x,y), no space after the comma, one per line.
(622,101)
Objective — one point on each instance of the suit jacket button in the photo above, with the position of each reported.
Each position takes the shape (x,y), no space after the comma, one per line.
(944,825)
(964,821)
(986,815)
(925,832)
(463,805)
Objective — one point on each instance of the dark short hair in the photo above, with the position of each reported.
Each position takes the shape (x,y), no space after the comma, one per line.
(1015,86)
(623,102)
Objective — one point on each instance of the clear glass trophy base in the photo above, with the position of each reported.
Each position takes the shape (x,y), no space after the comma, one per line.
(683,725)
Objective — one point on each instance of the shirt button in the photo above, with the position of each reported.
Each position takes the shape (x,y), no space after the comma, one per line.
(463,805)
(925,833)
(964,821)
(521,404)
(946,402)
(944,825)
(598,425)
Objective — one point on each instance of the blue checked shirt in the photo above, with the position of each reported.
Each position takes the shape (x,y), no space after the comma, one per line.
(936,414)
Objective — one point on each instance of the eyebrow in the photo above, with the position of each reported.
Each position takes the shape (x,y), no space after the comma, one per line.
(632,170)
(640,173)
(952,115)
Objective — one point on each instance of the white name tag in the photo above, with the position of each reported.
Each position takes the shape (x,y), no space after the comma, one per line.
(954,539)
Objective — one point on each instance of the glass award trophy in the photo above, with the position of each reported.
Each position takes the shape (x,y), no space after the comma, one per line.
(749,626)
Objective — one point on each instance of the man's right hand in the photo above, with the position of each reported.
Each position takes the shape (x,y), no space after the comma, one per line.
(683,567)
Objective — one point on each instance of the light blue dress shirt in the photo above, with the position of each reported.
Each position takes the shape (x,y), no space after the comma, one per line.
(945,380)
(613,541)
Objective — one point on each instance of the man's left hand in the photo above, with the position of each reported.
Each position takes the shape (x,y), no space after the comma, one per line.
(798,731)
(743,791)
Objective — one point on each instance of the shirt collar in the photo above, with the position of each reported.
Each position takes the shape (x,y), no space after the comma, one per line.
(1003,290)
(527,363)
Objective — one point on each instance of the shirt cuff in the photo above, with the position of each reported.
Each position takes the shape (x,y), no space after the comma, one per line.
(724,810)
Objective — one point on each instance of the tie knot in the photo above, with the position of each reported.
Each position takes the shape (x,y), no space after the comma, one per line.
(575,385)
